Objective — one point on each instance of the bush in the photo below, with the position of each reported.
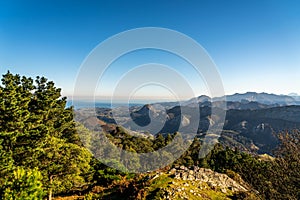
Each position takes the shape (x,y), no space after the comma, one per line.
(24,184)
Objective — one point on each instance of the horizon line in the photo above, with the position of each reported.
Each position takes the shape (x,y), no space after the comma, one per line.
(141,98)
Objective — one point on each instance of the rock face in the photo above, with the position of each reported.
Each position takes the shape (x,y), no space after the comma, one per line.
(213,179)
(198,183)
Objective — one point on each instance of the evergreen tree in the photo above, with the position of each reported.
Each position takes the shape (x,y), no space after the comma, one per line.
(24,184)
(37,130)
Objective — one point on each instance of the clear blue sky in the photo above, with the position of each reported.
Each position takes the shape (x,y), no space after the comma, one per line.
(255,44)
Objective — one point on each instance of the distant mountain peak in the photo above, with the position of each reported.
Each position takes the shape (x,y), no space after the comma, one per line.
(293,94)
(263,97)
(147,107)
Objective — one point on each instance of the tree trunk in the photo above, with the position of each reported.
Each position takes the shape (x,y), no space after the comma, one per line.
(50,189)
(50,194)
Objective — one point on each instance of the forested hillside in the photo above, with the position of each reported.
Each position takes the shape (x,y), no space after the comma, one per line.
(45,154)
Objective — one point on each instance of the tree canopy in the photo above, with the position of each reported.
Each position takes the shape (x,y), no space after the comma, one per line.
(38,131)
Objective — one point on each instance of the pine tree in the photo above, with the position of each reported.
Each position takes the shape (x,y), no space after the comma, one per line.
(37,130)
(24,184)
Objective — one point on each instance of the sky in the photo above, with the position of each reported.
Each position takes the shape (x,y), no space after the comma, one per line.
(255,44)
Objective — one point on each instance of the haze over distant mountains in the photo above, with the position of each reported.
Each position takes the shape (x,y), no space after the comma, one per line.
(264,98)
(261,98)
(252,119)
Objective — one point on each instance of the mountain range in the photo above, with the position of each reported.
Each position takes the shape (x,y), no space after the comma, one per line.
(252,121)
(262,99)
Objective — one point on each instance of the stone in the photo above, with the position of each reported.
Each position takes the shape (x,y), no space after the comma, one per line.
(191,177)
(196,177)
(223,190)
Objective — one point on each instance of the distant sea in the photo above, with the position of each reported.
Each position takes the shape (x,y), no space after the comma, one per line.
(100,104)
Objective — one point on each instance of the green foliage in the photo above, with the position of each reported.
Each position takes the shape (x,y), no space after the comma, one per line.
(287,166)
(274,179)
(62,163)
(159,142)
(105,175)
(156,185)
(37,130)
(24,184)
(6,164)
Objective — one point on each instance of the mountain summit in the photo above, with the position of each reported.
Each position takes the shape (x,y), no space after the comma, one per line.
(263,98)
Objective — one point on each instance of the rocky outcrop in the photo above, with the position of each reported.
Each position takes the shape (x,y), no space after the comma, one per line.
(213,179)
(197,183)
